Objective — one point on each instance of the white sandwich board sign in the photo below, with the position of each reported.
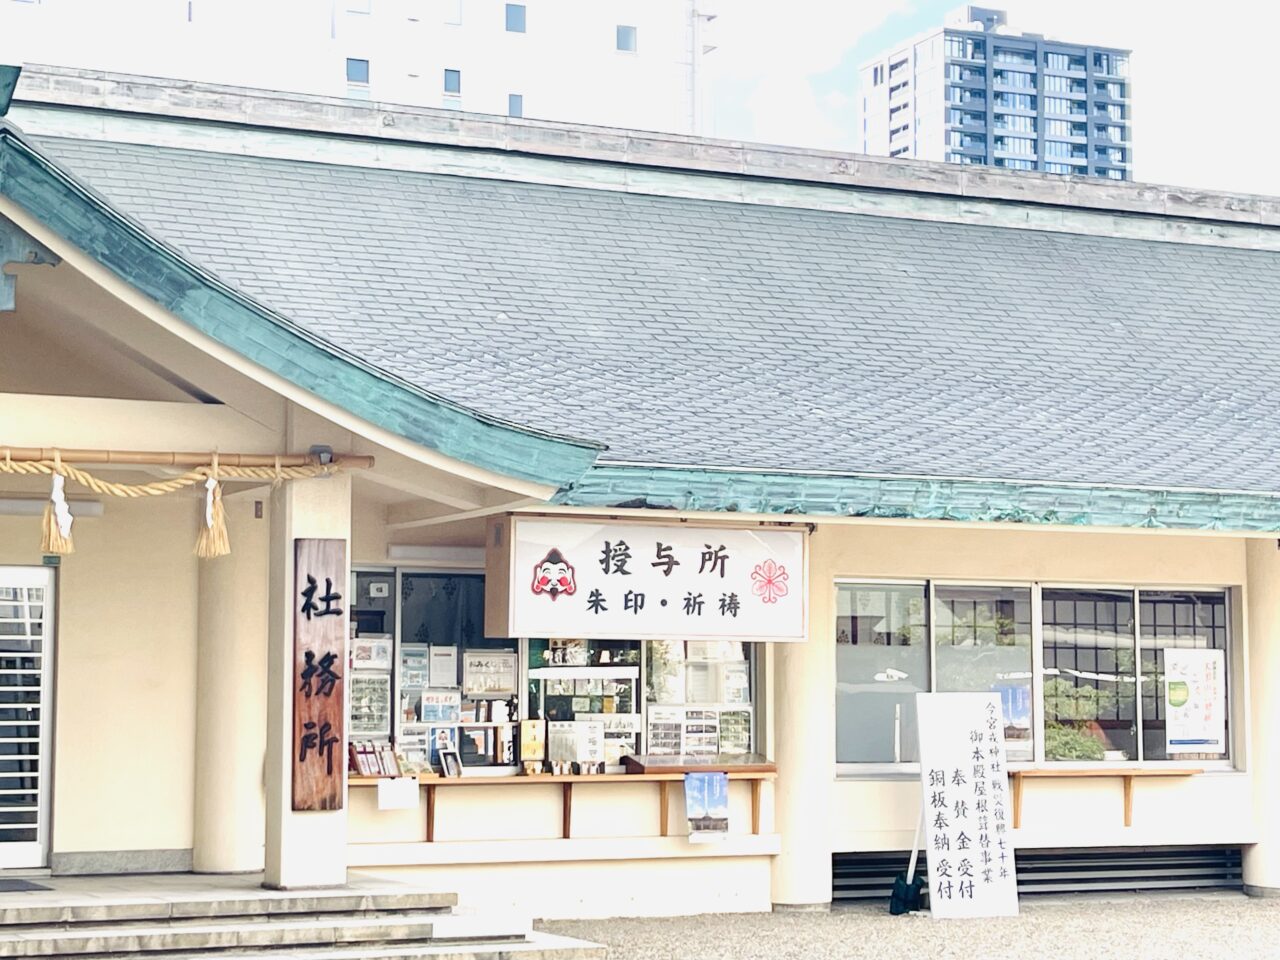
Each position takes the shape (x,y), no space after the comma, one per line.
(967,813)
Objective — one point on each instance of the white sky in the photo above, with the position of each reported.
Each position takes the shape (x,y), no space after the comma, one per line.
(785,71)
(1205,75)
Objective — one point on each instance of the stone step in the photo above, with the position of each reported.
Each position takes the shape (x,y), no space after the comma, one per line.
(61,909)
(254,933)
(536,946)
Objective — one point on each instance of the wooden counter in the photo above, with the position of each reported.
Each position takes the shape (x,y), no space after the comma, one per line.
(566,783)
(1128,774)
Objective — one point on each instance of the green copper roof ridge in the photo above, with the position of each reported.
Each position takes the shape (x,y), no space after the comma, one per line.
(905,498)
(84,218)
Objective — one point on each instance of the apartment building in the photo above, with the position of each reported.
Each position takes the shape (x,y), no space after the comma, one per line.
(973,92)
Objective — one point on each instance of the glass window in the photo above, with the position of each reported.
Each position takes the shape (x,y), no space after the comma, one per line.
(1174,621)
(1016,145)
(442,631)
(1095,651)
(1090,707)
(597,680)
(515,18)
(357,71)
(705,687)
(627,38)
(453,81)
(982,638)
(515,105)
(882,661)
(373,611)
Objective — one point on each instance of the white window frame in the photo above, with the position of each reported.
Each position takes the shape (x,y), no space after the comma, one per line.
(908,770)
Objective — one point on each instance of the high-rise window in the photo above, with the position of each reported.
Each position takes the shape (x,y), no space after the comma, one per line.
(357,71)
(626,38)
(1113,64)
(1016,145)
(1063,61)
(1016,78)
(515,105)
(1058,168)
(1011,121)
(515,18)
(453,81)
(957,73)
(1005,55)
(1015,101)
(964,48)
(960,117)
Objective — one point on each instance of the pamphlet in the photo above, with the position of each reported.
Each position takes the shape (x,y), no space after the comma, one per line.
(706,800)
(443,667)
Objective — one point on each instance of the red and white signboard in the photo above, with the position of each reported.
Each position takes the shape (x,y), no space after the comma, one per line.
(624,581)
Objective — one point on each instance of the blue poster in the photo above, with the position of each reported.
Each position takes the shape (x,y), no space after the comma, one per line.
(706,801)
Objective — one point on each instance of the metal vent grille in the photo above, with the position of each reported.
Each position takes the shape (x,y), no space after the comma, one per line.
(865,876)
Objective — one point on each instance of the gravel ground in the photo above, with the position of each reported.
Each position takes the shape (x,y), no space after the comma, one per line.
(1050,928)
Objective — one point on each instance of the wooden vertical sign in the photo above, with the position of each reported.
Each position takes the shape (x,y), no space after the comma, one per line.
(319,666)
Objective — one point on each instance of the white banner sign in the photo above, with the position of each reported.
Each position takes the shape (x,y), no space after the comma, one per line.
(1195,699)
(632,581)
(967,817)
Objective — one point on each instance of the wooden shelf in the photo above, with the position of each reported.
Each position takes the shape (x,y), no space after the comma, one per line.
(1128,775)
(566,782)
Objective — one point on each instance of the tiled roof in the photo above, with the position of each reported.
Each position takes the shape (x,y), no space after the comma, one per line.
(705,333)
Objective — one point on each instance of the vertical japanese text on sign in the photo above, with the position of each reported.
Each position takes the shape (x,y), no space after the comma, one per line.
(319,662)
(965,793)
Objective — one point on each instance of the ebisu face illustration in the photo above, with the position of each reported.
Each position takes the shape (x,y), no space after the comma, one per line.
(553,575)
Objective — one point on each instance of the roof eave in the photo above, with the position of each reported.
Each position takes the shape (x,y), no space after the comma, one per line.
(913,498)
(83,218)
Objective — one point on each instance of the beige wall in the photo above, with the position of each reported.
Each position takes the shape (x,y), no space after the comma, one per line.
(368,532)
(126,659)
(602,888)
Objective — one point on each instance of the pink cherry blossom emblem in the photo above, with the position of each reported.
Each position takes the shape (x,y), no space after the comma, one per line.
(770,581)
